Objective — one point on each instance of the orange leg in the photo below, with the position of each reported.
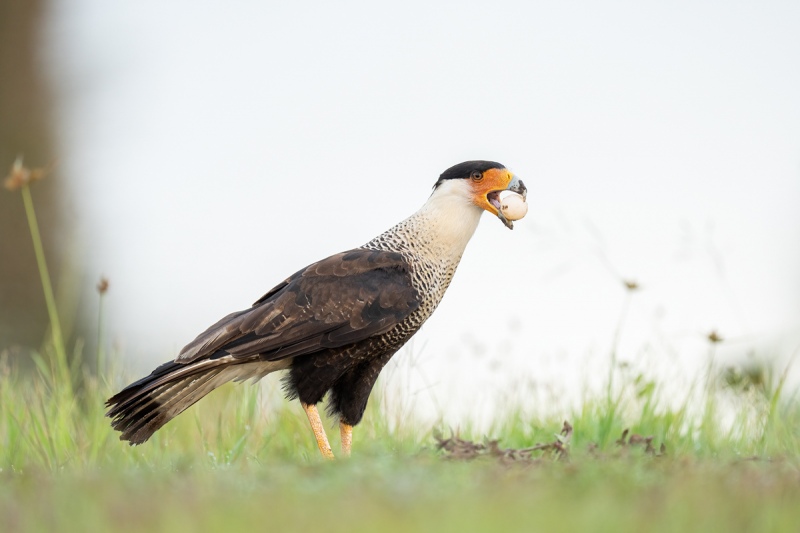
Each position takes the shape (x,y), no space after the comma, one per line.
(346,431)
(319,431)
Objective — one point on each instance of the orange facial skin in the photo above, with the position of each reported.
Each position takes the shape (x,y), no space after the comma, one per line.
(494,179)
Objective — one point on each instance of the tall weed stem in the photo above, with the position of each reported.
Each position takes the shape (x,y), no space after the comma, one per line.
(62,365)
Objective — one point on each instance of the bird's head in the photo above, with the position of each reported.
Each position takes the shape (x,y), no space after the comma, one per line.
(484,181)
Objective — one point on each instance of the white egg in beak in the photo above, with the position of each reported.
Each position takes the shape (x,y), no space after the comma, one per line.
(512,205)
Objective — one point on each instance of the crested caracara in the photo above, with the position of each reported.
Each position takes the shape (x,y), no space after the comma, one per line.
(333,325)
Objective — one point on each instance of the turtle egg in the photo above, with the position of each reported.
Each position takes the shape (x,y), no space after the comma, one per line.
(512,205)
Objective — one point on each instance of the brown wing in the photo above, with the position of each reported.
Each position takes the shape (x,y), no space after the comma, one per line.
(343,299)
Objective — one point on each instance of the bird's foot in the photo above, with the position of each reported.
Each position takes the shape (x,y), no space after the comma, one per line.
(318,429)
(346,431)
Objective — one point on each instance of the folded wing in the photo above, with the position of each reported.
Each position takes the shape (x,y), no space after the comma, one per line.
(343,299)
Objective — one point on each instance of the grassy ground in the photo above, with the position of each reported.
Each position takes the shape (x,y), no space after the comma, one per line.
(720,460)
(241,460)
(410,493)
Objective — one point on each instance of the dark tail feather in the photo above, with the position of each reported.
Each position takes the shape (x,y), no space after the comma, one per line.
(142,407)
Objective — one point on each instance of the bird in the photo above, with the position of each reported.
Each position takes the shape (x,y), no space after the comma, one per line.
(333,325)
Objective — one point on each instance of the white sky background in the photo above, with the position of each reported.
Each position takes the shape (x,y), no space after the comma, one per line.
(214,150)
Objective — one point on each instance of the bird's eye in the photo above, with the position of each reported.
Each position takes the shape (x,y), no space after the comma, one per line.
(476,175)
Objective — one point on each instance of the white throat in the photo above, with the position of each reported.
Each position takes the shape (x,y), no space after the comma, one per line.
(441,228)
(449,216)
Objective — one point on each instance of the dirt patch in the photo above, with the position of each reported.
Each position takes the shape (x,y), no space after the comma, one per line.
(456,448)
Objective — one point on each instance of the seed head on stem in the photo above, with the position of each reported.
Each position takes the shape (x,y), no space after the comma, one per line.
(20,175)
(102,285)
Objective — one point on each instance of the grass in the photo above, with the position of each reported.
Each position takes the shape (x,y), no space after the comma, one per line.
(243,459)
(412,493)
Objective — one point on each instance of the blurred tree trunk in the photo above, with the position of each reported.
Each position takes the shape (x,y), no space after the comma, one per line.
(26,129)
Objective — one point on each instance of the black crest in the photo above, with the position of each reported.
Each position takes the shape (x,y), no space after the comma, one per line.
(464,170)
